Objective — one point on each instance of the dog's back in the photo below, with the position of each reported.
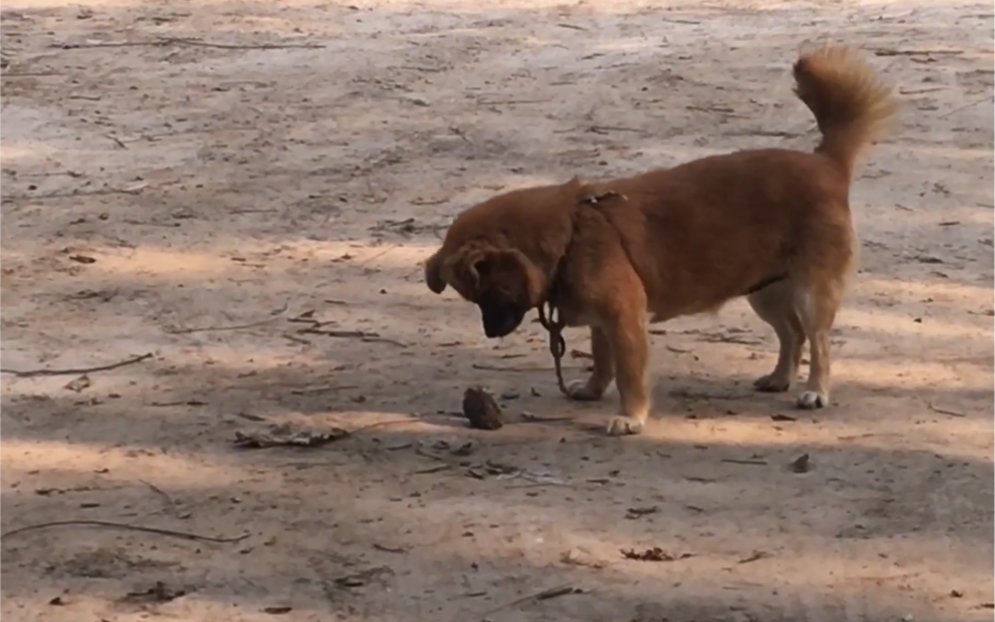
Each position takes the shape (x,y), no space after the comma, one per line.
(736,220)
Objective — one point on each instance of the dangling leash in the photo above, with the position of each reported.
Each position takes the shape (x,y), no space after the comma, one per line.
(557,344)
(550,316)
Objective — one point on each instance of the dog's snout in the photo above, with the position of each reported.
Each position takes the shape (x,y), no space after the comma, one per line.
(500,321)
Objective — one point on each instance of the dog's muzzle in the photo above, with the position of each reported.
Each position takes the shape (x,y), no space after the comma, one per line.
(500,320)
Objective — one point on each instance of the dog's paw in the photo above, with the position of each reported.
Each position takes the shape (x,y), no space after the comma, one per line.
(810,400)
(624,426)
(579,391)
(771,384)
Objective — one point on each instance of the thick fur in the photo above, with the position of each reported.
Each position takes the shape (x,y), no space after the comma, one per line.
(770,224)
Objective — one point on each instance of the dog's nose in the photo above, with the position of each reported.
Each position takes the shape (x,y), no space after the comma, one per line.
(500,328)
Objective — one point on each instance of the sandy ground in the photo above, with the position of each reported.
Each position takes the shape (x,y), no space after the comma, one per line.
(166,194)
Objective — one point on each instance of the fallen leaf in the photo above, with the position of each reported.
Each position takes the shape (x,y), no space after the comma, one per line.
(277,611)
(158,593)
(634,513)
(756,555)
(655,554)
(780,417)
(78,384)
(82,259)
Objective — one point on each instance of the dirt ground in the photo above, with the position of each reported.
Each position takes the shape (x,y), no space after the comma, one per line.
(173,186)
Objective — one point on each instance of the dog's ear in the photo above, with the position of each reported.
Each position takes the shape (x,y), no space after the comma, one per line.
(433,273)
(530,279)
(460,269)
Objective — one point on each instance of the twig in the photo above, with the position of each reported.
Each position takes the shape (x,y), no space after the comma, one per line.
(750,462)
(164,41)
(888,52)
(117,141)
(380,254)
(100,523)
(553,592)
(66,195)
(351,334)
(165,496)
(572,27)
(30,373)
(943,411)
(331,387)
(435,469)
(511,368)
(508,102)
(274,315)
(601,129)
(680,21)
(933,89)
(965,106)
(755,556)
(18,74)
(228,46)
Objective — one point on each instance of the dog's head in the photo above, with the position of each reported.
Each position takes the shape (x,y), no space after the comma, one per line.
(503,282)
(502,254)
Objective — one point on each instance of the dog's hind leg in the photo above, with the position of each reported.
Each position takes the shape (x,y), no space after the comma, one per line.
(775,305)
(817,307)
(604,370)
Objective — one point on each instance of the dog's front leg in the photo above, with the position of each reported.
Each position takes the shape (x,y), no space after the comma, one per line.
(604,370)
(627,335)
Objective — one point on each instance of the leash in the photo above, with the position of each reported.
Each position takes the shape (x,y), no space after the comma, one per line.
(554,323)
(551,318)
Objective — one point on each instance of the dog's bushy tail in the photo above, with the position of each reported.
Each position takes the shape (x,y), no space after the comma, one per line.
(851,105)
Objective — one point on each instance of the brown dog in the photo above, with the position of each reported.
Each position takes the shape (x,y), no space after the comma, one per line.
(772,224)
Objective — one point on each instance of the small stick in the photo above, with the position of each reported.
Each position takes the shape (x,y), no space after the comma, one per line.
(509,102)
(597,129)
(227,46)
(943,411)
(887,52)
(31,373)
(750,462)
(322,389)
(511,368)
(353,334)
(381,253)
(553,592)
(164,41)
(162,493)
(117,141)
(572,27)
(68,195)
(100,523)
(435,469)
(965,106)
(273,316)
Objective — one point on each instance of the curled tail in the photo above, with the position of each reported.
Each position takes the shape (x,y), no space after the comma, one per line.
(850,104)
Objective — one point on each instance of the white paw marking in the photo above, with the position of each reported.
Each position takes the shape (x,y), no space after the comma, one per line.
(810,400)
(624,426)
